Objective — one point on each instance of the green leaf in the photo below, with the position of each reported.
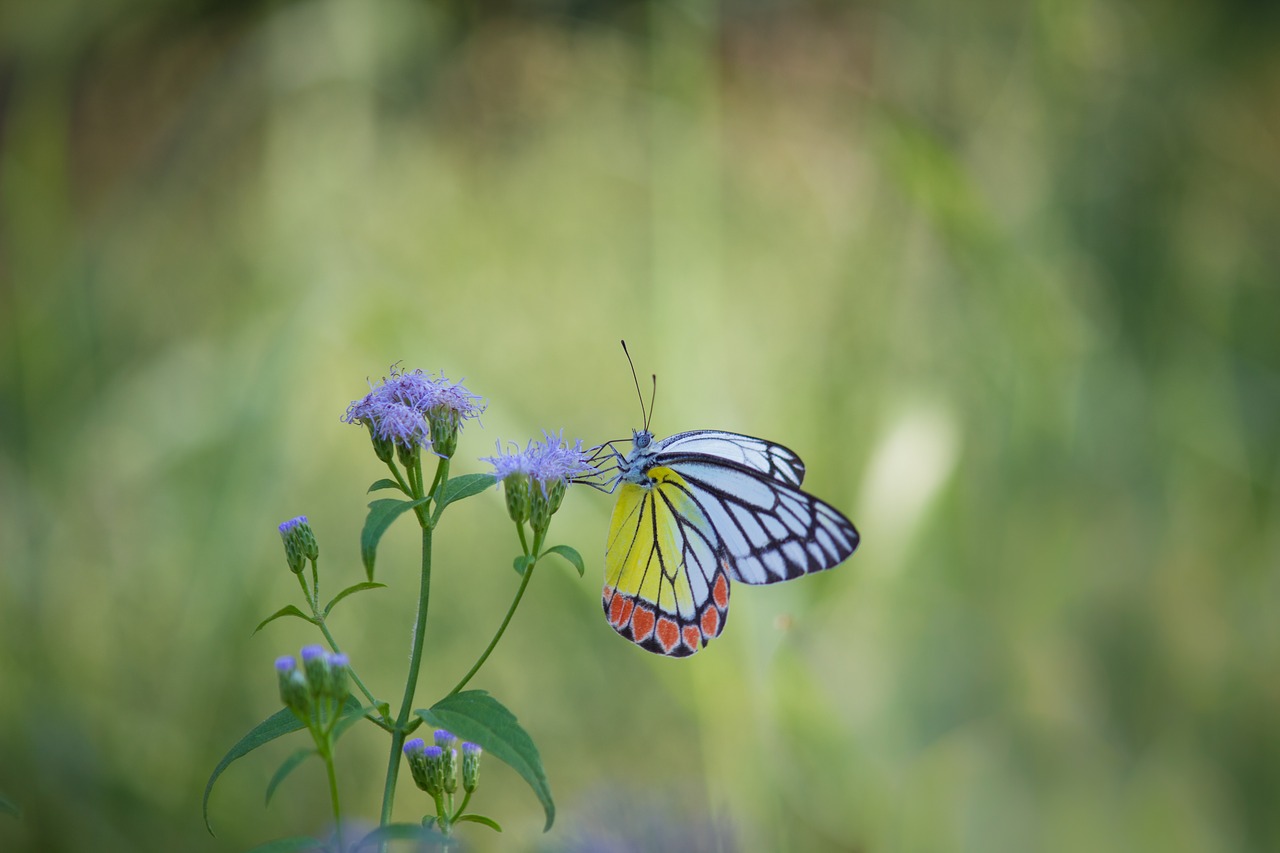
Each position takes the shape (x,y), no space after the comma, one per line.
(457,488)
(287,610)
(397,832)
(288,845)
(381,514)
(476,716)
(522,563)
(571,555)
(479,818)
(8,805)
(280,723)
(349,590)
(384,483)
(289,765)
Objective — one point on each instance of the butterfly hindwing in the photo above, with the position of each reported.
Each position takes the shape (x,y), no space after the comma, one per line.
(666,587)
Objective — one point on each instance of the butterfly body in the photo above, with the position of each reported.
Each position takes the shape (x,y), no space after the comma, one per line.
(697,510)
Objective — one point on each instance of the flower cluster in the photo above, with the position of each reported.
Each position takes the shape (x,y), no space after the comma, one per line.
(412,410)
(534,479)
(319,686)
(435,768)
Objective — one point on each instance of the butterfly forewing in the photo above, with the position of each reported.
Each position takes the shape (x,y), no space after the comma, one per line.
(768,530)
(773,460)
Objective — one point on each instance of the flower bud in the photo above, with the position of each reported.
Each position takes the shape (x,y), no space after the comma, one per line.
(339,669)
(414,751)
(516,488)
(299,542)
(317,669)
(449,769)
(470,766)
(434,758)
(294,692)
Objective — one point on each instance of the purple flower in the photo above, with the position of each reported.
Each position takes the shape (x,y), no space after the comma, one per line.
(546,463)
(414,746)
(413,409)
(286,664)
(443,738)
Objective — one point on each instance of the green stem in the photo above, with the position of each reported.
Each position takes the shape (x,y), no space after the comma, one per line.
(311,602)
(411,682)
(333,793)
(502,629)
(333,644)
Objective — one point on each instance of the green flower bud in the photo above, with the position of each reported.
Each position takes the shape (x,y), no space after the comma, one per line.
(434,757)
(414,751)
(449,769)
(299,543)
(294,691)
(317,669)
(470,766)
(516,488)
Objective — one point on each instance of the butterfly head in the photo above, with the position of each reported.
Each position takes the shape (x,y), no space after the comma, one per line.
(641,439)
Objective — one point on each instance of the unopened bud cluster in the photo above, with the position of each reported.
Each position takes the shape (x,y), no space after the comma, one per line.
(435,767)
(318,686)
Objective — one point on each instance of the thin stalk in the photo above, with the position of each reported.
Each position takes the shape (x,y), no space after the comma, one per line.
(333,794)
(506,620)
(333,644)
(411,682)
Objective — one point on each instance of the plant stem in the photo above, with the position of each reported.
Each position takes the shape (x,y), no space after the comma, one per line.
(333,644)
(411,682)
(515,602)
(333,792)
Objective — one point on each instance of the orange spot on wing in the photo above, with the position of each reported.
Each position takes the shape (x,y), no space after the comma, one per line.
(710,623)
(624,612)
(692,636)
(668,633)
(720,592)
(641,624)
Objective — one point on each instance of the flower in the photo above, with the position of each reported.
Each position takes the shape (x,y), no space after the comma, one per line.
(411,410)
(550,465)
(470,766)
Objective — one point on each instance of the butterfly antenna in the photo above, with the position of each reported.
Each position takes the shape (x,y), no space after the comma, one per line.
(653,396)
(636,380)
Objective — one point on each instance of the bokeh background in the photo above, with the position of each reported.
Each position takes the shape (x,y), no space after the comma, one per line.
(1005,274)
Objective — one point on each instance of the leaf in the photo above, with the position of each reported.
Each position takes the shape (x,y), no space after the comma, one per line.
(479,818)
(399,832)
(280,723)
(476,716)
(457,488)
(522,563)
(287,610)
(381,514)
(384,483)
(289,765)
(349,590)
(571,555)
(288,845)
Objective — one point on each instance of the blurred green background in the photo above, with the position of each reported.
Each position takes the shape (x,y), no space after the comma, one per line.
(1005,275)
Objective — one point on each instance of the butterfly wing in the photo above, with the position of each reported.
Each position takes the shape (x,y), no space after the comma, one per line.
(666,587)
(772,460)
(768,530)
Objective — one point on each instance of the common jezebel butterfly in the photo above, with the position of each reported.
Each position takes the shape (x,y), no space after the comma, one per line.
(697,510)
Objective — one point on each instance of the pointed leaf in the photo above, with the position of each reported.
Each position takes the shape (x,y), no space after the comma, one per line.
(522,563)
(289,765)
(384,483)
(381,514)
(350,590)
(280,723)
(289,845)
(457,488)
(476,716)
(479,818)
(398,832)
(571,555)
(287,610)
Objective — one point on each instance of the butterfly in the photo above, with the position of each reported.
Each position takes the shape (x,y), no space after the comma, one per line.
(696,511)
